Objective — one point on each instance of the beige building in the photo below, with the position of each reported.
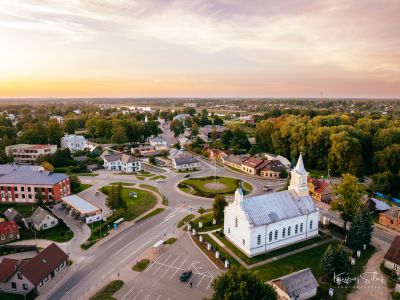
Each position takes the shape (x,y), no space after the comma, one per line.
(26,154)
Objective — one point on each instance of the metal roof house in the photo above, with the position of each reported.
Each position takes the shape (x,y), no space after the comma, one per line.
(122,162)
(299,285)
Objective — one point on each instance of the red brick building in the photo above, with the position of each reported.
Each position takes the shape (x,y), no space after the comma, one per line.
(391,218)
(23,184)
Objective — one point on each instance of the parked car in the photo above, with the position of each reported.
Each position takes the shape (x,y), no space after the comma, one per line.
(361,179)
(185,276)
(160,180)
(187,176)
(267,188)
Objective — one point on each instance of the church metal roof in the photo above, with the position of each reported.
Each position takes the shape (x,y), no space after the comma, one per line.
(274,207)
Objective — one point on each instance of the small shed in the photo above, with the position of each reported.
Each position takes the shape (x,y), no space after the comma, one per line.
(12,215)
(158,247)
(84,208)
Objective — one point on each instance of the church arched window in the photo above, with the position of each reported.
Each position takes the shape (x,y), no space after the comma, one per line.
(296,229)
(276,234)
(244,242)
(283,232)
(289,231)
(311,224)
(236,222)
(259,239)
(301,227)
(270,236)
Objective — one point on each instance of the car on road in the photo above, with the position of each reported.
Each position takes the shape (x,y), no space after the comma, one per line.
(187,176)
(361,179)
(160,180)
(185,276)
(267,188)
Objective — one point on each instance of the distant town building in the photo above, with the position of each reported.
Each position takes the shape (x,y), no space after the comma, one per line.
(73,142)
(145,151)
(262,223)
(122,162)
(59,119)
(298,285)
(181,118)
(158,143)
(284,161)
(28,154)
(210,132)
(272,169)
(185,162)
(12,214)
(21,277)
(253,165)
(320,190)
(392,256)
(22,184)
(191,104)
(217,154)
(391,218)
(234,161)
(8,232)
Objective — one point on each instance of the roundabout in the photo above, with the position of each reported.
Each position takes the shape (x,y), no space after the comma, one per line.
(209,186)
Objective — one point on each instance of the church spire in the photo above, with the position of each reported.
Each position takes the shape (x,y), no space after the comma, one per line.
(300,165)
(298,181)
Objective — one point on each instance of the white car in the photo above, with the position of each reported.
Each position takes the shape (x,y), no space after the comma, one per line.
(160,180)
(267,188)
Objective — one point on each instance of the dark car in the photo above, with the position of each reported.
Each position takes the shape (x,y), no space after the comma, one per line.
(187,176)
(185,276)
(361,179)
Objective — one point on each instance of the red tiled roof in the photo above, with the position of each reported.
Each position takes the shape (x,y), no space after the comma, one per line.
(319,185)
(43,264)
(7,268)
(8,227)
(252,162)
(393,253)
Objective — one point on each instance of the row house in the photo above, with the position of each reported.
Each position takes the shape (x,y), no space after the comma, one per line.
(8,232)
(320,190)
(253,165)
(122,162)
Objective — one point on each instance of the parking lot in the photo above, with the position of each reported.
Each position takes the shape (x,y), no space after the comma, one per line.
(161,279)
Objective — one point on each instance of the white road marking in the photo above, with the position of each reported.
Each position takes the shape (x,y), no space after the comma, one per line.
(178,268)
(158,297)
(138,294)
(128,292)
(154,263)
(172,264)
(198,284)
(147,296)
(163,264)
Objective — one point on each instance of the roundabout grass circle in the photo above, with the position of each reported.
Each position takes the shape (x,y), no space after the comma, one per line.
(209,186)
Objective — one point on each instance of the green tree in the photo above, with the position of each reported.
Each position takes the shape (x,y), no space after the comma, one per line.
(342,265)
(39,196)
(152,160)
(227,137)
(368,224)
(47,166)
(349,193)
(382,182)
(55,132)
(327,264)
(239,283)
(218,208)
(177,127)
(201,211)
(195,129)
(355,235)
(264,130)
(70,126)
(218,121)
(75,184)
(118,135)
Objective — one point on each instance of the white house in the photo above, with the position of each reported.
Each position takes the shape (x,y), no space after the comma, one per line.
(262,223)
(73,142)
(185,163)
(42,219)
(122,162)
(158,143)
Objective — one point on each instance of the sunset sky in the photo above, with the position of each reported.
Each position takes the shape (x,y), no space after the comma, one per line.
(225,48)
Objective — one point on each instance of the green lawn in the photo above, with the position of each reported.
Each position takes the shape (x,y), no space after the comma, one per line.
(207,220)
(140,177)
(196,186)
(270,254)
(122,183)
(318,174)
(158,177)
(109,290)
(135,206)
(24,209)
(185,220)
(170,241)
(222,251)
(83,186)
(57,234)
(152,214)
(141,265)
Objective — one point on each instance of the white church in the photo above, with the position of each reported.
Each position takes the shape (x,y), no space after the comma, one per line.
(262,223)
